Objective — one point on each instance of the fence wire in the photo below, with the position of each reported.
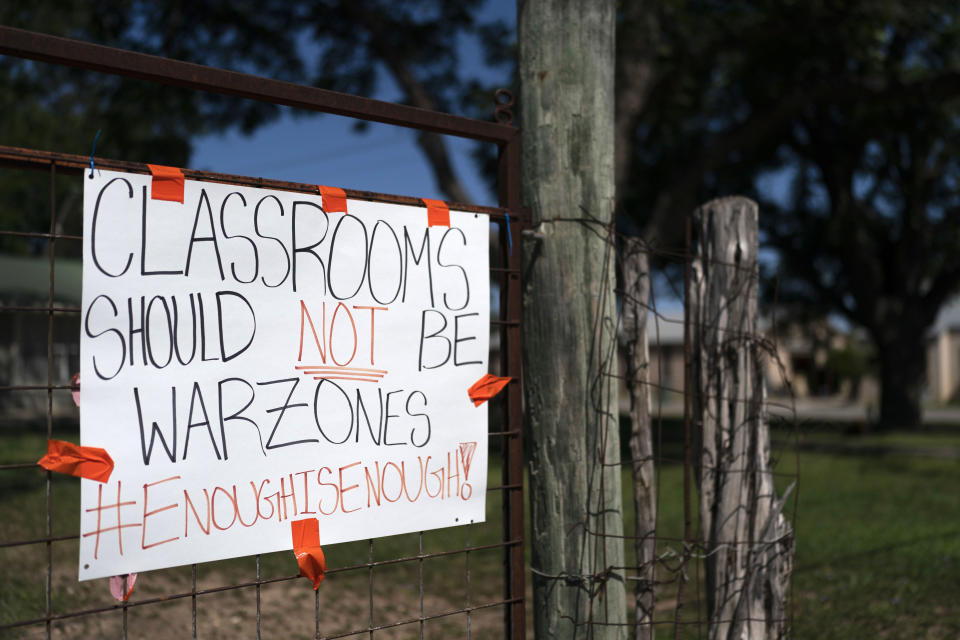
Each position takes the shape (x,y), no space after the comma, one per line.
(432,584)
(437,584)
(673,578)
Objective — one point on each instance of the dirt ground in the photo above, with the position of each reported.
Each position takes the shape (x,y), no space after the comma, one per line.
(289,609)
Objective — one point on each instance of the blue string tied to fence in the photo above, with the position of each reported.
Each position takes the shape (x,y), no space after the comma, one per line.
(93,150)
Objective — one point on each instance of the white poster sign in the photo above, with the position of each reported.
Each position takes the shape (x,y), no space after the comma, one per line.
(249,359)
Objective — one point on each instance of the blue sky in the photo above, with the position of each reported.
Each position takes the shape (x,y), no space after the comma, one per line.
(327,150)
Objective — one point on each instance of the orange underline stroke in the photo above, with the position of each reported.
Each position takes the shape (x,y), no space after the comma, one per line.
(322,368)
(346,378)
(356,372)
(327,374)
(337,376)
(373,376)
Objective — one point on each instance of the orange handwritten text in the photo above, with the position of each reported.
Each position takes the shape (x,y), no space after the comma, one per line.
(327,491)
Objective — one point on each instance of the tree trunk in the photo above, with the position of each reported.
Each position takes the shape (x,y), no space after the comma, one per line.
(749,543)
(635,264)
(433,145)
(566,97)
(903,369)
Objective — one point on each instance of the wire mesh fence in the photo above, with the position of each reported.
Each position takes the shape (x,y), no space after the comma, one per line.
(431,584)
(698,359)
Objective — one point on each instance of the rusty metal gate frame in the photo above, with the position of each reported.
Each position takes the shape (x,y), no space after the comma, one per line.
(73,53)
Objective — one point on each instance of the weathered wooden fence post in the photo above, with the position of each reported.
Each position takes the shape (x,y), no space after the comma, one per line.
(749,541)
(566,65)
(635,267)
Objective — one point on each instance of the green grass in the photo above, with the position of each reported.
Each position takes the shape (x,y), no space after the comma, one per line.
(878,548)
(877,543)
(945,438)
(877,537)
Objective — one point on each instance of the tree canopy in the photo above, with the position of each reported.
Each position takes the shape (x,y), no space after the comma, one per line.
(346,46)
(841,119)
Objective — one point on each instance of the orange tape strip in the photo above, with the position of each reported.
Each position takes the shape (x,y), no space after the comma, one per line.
(84,462)
(332,199)
(485,388)
(438,213)
(306,547)
(167,183)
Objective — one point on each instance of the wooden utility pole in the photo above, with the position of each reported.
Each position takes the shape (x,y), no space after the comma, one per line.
(749,542)
(566,70)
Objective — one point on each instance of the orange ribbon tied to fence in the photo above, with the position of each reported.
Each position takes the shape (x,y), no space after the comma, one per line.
(306,547)
(167,183)
(332,199)
(486,387)
(438,213)
(93,463)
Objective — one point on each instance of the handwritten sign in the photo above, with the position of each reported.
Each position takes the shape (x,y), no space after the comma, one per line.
(249,359)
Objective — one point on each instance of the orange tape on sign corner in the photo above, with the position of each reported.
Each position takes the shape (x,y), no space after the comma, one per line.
(93,463)
(167,183)
(486,387)
(333,199)
(306,547)
(438,213)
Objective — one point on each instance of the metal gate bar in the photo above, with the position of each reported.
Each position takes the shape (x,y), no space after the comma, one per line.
(31,45)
